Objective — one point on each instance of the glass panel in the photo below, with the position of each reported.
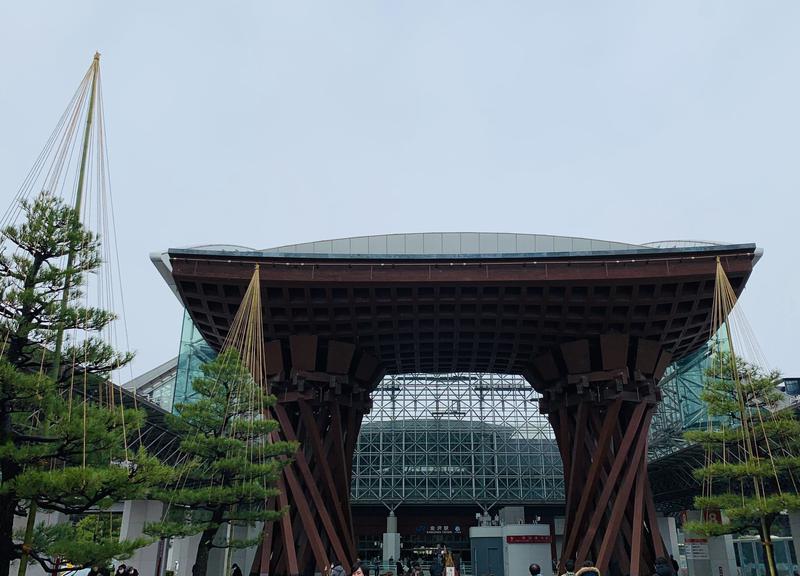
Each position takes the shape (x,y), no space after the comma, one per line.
(192,354)
(747,557)
(760,558)
(781,556)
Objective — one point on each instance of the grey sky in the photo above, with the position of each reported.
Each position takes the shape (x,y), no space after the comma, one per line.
(272,123)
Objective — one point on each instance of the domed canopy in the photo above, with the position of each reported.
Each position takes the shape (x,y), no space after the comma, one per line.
(450,244)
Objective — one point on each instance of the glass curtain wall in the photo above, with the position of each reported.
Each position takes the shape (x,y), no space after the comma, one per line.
(681,406)
(193,352)
(460,438)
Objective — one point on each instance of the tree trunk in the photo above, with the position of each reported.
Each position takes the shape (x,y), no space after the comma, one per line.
(6,528)
(201,558)
(8,501)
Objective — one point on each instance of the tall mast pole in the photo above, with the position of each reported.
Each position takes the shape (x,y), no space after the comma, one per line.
(55,372)
(56,369)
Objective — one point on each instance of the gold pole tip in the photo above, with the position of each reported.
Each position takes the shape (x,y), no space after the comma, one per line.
(97,55)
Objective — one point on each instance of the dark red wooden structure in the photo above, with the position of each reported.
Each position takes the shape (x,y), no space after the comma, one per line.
(592,331)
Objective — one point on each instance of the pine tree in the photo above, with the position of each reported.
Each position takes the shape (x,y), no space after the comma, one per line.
(232,463)
(61,446)
(752,468)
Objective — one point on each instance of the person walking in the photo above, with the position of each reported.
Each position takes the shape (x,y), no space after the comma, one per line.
(535,569)
(569,567)
(449,563)
(457,563)
(235,570)
(437,566)
(337,569)
(360,569)
(664,567)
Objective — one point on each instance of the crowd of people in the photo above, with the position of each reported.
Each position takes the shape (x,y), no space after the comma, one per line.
(663,567)
(121,570)
(441,561)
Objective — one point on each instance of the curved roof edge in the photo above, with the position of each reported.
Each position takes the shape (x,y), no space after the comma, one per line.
(447,245)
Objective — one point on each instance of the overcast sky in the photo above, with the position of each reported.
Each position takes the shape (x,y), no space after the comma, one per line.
(266,123)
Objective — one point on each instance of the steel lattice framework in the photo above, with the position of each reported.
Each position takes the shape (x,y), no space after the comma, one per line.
(456,438)
(681,407)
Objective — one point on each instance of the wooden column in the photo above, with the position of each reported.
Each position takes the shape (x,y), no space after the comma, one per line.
(321,409)
(600,396)
(318,523)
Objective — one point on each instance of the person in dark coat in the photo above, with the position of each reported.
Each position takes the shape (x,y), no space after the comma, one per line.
(663,567)
(569,567)
(337,569)
(535,569)
(235,570)
(437,566)
(674,563)
(360,569)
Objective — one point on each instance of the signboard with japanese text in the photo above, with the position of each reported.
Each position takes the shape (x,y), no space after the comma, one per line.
(438,529)
(529,539)
(696,549)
